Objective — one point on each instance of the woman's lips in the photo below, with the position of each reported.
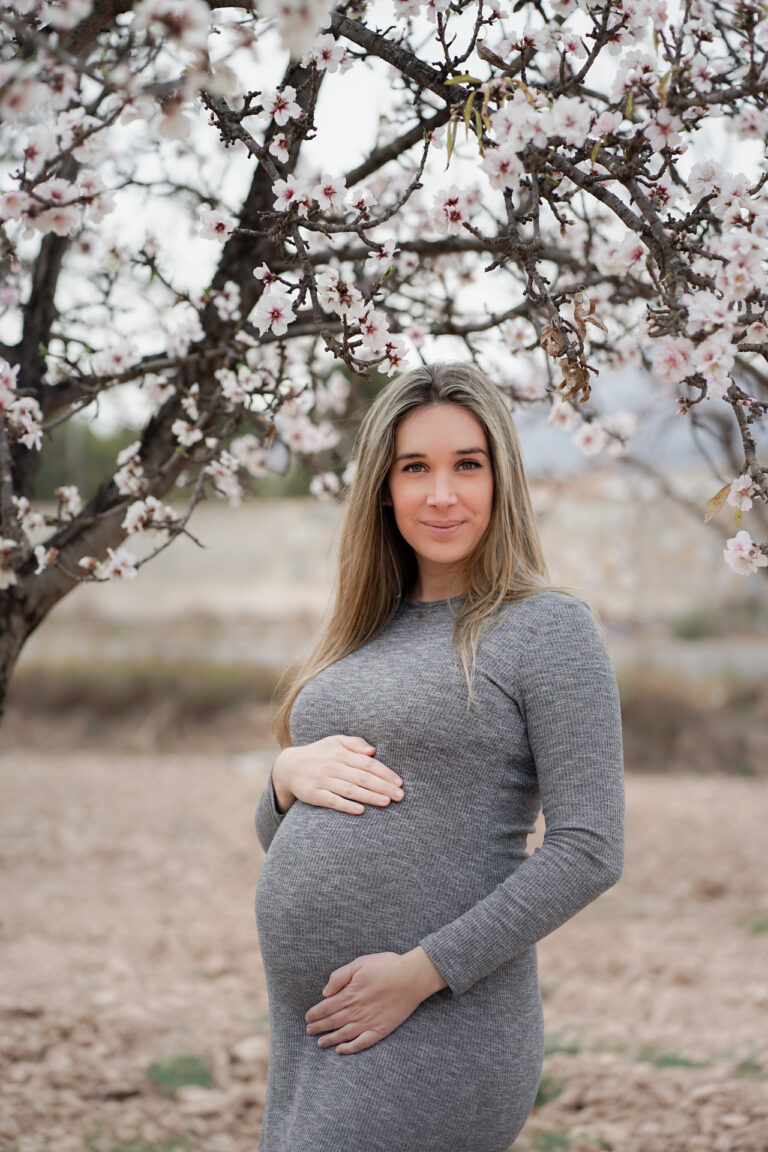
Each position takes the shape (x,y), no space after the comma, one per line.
(446,529)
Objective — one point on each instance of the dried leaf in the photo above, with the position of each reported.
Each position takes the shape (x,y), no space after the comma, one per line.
(464,78)
(584,313)
(552,341)
(575,381)
(479,131)
(468,112)
(489,57)
(450,140)
(715,504)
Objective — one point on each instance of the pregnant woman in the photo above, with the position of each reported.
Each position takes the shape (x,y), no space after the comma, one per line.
(453,695)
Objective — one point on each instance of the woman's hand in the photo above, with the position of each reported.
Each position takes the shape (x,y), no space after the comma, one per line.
(335,772)
(368,998)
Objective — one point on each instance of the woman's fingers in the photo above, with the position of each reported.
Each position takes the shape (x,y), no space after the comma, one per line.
(348,1032)
(371,792)
(332,1020)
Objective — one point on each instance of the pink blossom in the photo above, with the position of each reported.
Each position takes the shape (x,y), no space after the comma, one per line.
(743,555)
(570,118)
(741,493)
(215,223)
(375,330)
(664,130)
(185,433)
(31,519)
(336,294)
(120,566)
(279,147)
(503,167)
(381,259)
(607,123)
(450,211)
(325,485)
(280,106)
(590,437)
(326,52)
(274,311)
(25,416)
(330,193)
(674,359)
(395,351)
(14,204)
(291,191)
(45,557)
(58,220)
(186,21)
(70,501)
(563,416)
(250,454)
(714,358)
(8,376)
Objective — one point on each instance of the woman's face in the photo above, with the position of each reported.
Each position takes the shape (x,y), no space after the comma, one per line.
(441,475)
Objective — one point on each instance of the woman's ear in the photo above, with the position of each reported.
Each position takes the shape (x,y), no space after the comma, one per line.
(385,497)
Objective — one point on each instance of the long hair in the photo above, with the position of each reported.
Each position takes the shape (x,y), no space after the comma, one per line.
(376,566)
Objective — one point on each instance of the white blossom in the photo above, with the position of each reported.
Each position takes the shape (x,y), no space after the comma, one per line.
(743,555)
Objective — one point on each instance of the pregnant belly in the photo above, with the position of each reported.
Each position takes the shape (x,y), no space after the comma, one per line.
(334,886)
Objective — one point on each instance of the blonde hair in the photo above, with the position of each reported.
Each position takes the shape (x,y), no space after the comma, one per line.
(377,567)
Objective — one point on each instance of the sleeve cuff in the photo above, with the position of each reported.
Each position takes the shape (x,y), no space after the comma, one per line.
(268,816)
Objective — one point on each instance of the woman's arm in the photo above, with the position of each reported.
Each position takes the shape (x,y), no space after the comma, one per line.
(566,688)
(270,810)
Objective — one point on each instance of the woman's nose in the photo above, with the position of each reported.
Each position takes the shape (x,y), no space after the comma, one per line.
(441,490)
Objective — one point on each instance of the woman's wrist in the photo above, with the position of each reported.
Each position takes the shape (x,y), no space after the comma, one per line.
(283,794)
(427,978)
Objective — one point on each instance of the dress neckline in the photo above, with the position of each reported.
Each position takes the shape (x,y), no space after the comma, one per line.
(432,603)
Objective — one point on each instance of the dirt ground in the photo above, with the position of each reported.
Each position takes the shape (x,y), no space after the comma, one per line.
(127,939)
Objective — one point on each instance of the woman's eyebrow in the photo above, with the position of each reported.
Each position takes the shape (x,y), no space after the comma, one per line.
(458,452)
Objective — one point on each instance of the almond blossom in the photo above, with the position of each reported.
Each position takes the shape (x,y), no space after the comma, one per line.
(330,193)
(290,192)
(273,312)
(280,106)
(70,501)
(743,555)
(186,433)
(326,52)
(147,515)
(31,519)
(215,223)
(674,359)
(590,437)
(570,118)
(741,492)
(25,417)
(8,376)
(121,565)
(450,211)
(325,485)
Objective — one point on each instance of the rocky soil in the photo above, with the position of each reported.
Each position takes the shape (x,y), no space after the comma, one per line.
(127,942)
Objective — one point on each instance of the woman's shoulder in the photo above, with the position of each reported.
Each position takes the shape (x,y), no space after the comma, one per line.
(545,622)
(544,606)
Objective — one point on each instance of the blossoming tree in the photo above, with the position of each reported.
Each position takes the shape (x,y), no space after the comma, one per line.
(543,187)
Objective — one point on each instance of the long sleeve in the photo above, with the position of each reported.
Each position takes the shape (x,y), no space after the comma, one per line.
(268,816)
(566,689)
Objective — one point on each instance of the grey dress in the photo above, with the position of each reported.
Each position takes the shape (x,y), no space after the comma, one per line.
(446,867)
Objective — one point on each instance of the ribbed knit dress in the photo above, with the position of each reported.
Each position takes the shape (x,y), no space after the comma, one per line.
(445,867)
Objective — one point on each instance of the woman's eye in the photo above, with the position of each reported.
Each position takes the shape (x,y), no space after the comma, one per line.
(474,464)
